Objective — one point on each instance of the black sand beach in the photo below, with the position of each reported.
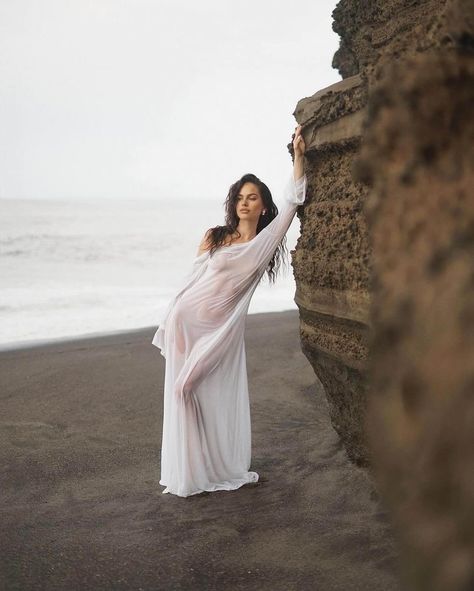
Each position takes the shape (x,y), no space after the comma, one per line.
(82,507)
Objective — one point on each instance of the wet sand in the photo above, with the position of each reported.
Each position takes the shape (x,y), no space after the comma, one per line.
(82,508)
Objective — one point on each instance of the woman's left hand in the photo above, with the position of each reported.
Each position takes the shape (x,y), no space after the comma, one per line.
(299,146)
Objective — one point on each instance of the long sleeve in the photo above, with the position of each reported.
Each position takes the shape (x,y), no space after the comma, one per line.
(268,239)
(191,277)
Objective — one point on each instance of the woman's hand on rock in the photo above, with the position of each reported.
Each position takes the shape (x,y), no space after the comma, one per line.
(299,146)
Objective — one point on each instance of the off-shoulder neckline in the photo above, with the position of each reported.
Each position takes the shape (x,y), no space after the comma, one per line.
(229,246)
(238,243)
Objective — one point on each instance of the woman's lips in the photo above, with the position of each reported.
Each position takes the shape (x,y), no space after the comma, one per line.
(244,211)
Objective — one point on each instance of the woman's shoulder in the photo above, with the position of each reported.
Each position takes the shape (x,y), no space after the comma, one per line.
(205,243)
(213,236)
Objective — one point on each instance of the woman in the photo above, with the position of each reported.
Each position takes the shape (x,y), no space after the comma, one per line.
(206,443)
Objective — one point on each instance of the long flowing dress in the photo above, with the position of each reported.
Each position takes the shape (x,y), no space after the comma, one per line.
(206,439)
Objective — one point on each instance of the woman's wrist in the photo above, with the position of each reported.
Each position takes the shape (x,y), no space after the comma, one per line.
(298,166)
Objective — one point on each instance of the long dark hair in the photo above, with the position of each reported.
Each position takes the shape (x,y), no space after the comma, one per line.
(218,234)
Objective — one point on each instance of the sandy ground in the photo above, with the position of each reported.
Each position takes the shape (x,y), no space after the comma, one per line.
(82,508)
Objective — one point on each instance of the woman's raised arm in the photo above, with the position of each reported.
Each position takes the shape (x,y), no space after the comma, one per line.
(267,240)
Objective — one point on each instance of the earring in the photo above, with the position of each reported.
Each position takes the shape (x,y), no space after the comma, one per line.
(263,212)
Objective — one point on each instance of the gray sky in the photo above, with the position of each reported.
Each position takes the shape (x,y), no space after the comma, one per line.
(158,99)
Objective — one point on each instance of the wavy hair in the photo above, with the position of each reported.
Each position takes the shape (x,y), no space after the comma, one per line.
(218,234)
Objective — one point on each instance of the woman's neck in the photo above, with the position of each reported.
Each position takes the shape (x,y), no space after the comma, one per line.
(247,230)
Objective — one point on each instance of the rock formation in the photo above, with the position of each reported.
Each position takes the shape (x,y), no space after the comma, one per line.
(385,267)
(419,156)
(331,260)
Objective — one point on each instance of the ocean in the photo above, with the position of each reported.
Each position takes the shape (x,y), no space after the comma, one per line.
(76,268)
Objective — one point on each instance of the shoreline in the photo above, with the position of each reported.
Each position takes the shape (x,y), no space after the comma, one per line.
(47,342)
(40,343)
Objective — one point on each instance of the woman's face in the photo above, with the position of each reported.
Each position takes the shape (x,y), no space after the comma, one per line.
(249,204)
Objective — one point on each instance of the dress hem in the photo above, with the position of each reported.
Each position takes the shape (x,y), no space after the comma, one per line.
(230,485)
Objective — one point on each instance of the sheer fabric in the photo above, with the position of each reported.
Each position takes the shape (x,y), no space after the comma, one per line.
(206,439)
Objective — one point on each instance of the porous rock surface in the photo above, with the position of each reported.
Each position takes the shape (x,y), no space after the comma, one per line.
(384,267)
(332,259)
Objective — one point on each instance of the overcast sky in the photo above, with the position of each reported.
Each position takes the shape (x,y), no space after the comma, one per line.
(157,99)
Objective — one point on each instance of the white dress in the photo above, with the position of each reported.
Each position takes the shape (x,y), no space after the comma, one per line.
(206,441)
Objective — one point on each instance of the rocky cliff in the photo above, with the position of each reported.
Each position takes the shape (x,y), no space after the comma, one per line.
(331,260)
(385,267)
